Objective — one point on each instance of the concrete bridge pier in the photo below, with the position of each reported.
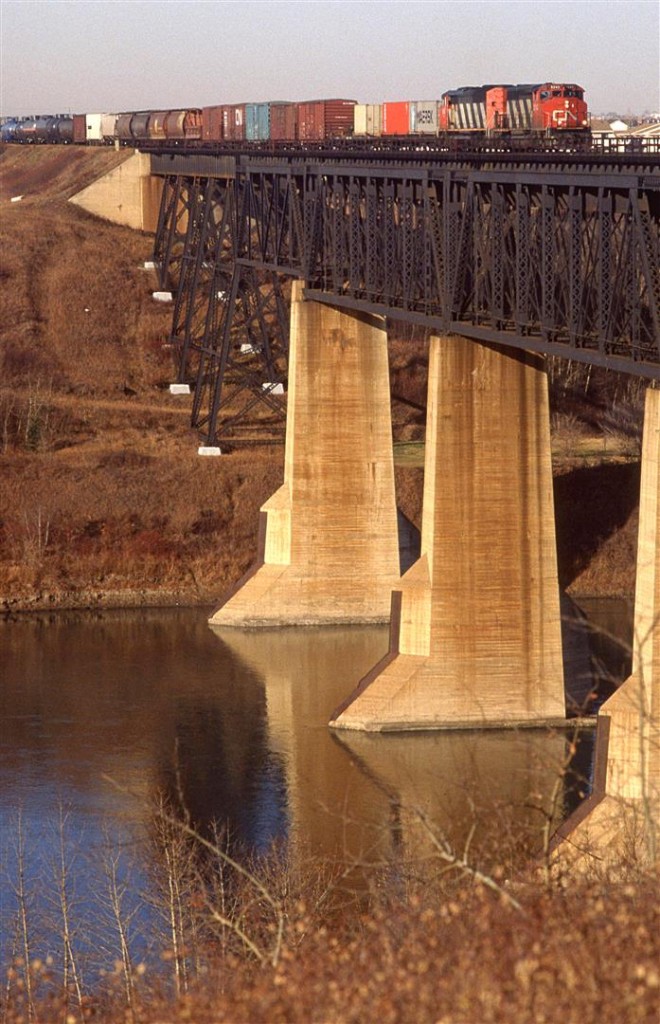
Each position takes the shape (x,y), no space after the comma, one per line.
(476,630)
(329,545)
(620,822)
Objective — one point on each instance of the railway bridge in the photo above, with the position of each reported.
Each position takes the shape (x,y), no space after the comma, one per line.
(505,257)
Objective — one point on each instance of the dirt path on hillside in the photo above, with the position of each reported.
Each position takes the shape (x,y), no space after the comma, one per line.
(83,402)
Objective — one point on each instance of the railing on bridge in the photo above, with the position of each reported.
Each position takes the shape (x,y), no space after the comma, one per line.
(560,259)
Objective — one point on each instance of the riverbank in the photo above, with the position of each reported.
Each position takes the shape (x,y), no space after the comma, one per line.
(105,502)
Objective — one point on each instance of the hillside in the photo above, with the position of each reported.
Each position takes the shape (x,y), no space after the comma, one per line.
(104,499)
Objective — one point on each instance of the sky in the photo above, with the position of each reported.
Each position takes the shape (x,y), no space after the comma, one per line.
(68,56)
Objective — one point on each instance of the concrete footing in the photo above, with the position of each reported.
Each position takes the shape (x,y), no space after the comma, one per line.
(476,631)
(620,823)
(329,545)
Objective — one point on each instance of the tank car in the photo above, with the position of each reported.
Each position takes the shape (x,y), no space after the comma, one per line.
(62,130)
(8,129)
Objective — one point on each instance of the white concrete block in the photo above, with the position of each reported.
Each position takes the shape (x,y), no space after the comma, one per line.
(275,389)
(208,450)
(248,349)
(179,389)
(15,199)
(148,265)
(162,296)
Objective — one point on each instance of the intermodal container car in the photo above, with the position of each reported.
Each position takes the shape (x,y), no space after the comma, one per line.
(396,118)
(424,117)
(367,119)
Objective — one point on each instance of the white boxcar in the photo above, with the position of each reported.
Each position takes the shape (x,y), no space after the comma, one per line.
(367,119)
(93,127)
(424,117)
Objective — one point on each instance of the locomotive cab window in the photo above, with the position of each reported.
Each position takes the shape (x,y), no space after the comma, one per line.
(544,94)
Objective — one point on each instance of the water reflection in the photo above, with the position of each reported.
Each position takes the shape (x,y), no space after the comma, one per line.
(102,712)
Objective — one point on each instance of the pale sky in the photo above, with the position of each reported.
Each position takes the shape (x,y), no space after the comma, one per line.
(111,55)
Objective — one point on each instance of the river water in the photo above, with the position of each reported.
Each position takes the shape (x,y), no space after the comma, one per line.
(102,714)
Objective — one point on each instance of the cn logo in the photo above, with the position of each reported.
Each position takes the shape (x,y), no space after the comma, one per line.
(560,118)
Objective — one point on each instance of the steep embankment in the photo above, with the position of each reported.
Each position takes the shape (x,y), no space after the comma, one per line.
(44,173)
(104,500)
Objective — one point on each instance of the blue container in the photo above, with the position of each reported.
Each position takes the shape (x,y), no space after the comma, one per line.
(257,121)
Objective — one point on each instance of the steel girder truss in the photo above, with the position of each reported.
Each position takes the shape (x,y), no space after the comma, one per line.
(563,263)
(230,322)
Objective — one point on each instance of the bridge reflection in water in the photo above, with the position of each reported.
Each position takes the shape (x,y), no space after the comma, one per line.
(371,799)
(235,723)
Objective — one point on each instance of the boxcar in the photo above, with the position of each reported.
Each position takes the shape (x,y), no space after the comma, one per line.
(233,121)
(283,121)
(79,128)
(257,121)
(325,119)
(212,123)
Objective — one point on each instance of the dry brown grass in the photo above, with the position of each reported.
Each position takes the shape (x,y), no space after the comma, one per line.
(435,953)
(104,499)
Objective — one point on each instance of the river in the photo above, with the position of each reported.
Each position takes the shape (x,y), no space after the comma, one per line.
(105,714)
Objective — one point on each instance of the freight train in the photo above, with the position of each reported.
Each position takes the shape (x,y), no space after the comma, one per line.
(554,109)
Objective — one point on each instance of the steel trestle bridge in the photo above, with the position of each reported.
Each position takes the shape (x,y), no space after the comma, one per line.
(553,252)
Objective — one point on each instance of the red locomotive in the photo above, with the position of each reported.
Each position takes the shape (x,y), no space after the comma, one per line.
(548,108)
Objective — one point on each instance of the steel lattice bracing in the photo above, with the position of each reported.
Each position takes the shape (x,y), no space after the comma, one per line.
(229,325)
(561,260)
(565,264)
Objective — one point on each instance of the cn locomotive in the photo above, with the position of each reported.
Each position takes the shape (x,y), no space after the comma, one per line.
(549,109)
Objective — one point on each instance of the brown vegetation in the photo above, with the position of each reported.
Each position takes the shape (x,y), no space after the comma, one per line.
(104,500)
(428,942)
